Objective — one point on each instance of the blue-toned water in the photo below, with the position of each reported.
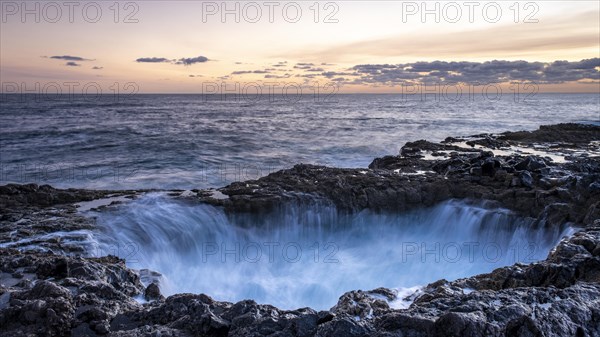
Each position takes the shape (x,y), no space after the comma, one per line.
(310,254)
(191,141)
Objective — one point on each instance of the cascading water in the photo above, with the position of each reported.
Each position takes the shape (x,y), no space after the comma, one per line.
(310,254)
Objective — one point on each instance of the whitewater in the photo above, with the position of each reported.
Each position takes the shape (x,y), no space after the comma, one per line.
(307,254)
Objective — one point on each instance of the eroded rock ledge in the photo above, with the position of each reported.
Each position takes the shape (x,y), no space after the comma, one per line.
(426,173)
(46,290)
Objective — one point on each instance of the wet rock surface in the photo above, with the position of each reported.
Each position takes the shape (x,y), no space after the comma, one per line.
(32,215)
(533,185)
(568,133)
(56,295)
(48,287)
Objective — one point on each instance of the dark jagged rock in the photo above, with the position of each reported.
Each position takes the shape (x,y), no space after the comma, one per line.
(489,142)
(13,195)
(69,295)
(49,288)
(530,163)
(414,149)
(152,292)
(564,133)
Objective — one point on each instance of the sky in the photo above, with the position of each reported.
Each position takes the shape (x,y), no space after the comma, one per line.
(342,46)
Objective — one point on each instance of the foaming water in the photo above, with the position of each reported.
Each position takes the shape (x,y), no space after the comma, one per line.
(310,254)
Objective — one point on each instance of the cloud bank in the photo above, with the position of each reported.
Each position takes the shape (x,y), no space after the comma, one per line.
(495,71)
(187,61)
(69,58)
(152,60)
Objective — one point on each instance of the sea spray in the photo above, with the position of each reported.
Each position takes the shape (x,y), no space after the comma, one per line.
(309,254)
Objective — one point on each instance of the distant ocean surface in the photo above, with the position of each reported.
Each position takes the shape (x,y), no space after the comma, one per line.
(194,141)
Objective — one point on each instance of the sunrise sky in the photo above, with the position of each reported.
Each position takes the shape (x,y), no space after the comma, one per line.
(376,46)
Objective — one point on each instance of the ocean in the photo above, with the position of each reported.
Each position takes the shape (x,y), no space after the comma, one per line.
(296,256)
(195,141)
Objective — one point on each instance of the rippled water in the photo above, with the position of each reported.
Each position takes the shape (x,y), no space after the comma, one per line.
(310,254)
(189,141)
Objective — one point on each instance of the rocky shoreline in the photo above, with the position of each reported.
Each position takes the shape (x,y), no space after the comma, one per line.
(48,287)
